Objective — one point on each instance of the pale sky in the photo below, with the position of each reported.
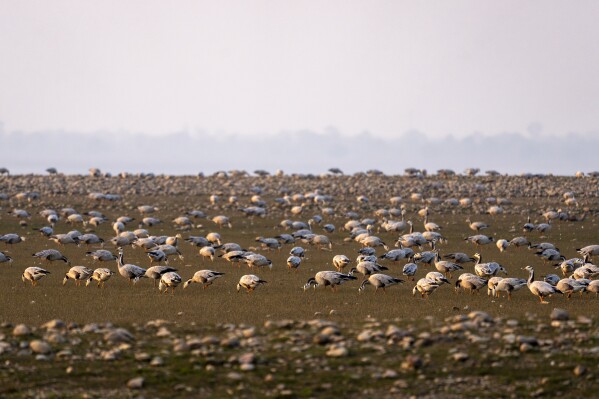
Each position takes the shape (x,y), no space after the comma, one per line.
(254,67)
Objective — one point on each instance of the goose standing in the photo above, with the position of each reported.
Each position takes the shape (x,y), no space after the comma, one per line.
(101,275)
(480,239)
(340,262)
(131,272)
(470,282)
(476,226)
(207,252)
(446,267)
(204,277)
(156,272)
(12,238)
(540,289)
(101,255)
(331,278)
(459,257)
(250,282)
(593,287)
(426,287)
(77,273)
(293,262)
(486,270)
(409,270)
(589,250)
(34,274)
(509,285)
(379,280)
(169,280)
(5,258)
(569,286)
(367,268)
(51,255)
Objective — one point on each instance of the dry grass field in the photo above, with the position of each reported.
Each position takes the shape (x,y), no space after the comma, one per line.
(290,360)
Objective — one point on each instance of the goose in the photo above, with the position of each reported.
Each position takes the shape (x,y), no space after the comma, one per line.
(204,277)
(214,238)
(480,239)
(543,228)
(586,272)
(541,289)
(34,274)
(425,257)
(12,238)
(124,219)
(207,252)
(269,243)
(101,275)
(77,273)
(430,226)
(64,239)
(409,270)
(122,241)
(150,221)
(491,285)
(329,228)
(445,266)
(468,281)
(502,244)
(5,258)
(234,256)
(169,280)
(379,280)
(519,242)
(144,243)
(156,272)
(552,279)
(221,221)
(340,262)
(459,257)
(568,266)
(593,287)
(50,255)
(477,226)
(397,254)
(366,258)
(437,277)
(118,227)
(321,241)
(250,282)
(542,246)
(96,221)
(45,231)
(257,260)
(170,250)
(486,270)
(569,286)
(137,233)
(293,262)
(426,287)
(198,241)
(298,251)
(331,278)
(509,285)
(367,251)
(101,255)
(373,242)
(550,255)
(131,272)
(228,247)
(183,222)
(285,238)
(528,226)
(90,239)
(75,218)
(158,256)
(367,268)
(589,250)
(147,209)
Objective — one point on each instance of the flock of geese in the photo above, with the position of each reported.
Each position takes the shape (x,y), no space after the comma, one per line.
(578,273)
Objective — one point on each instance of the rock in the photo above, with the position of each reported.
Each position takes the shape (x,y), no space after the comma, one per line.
(337,351)
(142,357)
(247,358)
(412,362)
(119,335)
(41,347)
(55,324)
(163,332)
(247,367)
(233,376)
(523,339)
(460,356)
(579,370)
(390,374)
(479,317)
(21,330)
(525,347)
(560,314)
(330,330)
(135,383)
(56,338)
(249,332)
(157,361)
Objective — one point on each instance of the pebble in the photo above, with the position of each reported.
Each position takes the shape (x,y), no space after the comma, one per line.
(21,330)
(560,314)
(136,383)
(119,335)
(163,332)
(460,356)
(157,361)
(41,347)
(580,370)
(55,324)
(337,351)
